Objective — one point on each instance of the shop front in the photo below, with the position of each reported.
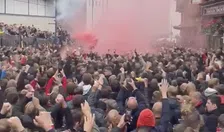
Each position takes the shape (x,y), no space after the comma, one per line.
(212,24)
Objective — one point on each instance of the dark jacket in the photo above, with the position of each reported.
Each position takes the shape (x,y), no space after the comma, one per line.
(211,120)
(200,108)
(123,94)
(175,111)
(58,113)
(99,113)
(135,113)
(164,121)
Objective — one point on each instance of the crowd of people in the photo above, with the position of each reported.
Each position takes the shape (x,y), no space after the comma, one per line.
(33,32)
(25,31)
(177,90)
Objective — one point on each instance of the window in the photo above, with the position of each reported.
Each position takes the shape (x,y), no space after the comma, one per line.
(2,6)
(50,8)
(21,7)
(29,7)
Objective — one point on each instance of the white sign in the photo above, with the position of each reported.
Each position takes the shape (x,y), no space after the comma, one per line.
(196,1)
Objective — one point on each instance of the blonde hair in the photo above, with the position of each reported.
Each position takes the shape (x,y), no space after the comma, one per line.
(213,82)
(186,109)
(190,88)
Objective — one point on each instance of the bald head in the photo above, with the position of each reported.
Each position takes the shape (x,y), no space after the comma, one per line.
(113,117)
(157,109)
(132,103)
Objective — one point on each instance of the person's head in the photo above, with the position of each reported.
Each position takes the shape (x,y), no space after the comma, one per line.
(77,118)
(190,88)
(146,121)
(87,78)
(174,83)
(3,84)
(172,91)
(156,96)
(90,69)
(196,97)
(154,84)
(96,75)
(144,129)
(31,110)
(132,103)
(220,89)
(157,109)
(183,99)
(213,103)
(78,90)
(105,92)
(70,88)
(221,121)
(113,117)
(44,99)
(183,87)
(101,105)
(213,82)
(4,126)
(42,81)
(11,83)
(107,71)
(50,72)
(78,100)
(115,85)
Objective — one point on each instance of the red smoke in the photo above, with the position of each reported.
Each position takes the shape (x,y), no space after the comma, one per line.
(128,24)
(87,39)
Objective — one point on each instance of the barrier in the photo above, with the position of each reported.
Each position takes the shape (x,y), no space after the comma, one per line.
(15,40)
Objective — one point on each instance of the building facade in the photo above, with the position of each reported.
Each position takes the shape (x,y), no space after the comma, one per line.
(212,15)
(190,35)
(40,13)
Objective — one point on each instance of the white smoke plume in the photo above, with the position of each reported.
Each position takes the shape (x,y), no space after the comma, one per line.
(69,8)
(71,15)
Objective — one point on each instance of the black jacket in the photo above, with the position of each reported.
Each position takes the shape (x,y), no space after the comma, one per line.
(211,120)
(200,108)
(164,121)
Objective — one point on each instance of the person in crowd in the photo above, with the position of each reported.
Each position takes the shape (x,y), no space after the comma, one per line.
(43,89)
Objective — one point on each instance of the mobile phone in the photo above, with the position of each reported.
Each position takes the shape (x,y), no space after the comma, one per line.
(127,118)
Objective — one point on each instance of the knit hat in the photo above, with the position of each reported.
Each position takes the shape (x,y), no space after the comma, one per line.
(146,118)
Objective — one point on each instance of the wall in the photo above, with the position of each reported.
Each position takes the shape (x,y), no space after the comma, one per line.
(28,7)
(44,23)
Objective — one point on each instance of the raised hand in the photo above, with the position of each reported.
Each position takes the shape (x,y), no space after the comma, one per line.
(6,107)
(86,109)
(44,121)
(132,83)
(88,123)
(164,87)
